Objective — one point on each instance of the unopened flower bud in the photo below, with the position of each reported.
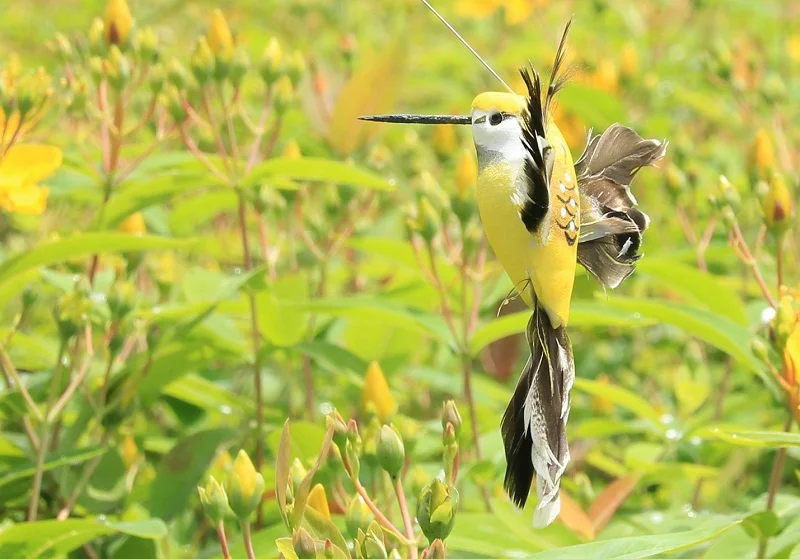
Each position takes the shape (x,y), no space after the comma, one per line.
(761,160)
(295,67)
(176,74)
(240,64)
(436,550)
(118,22)
(728,195)
(377,393)
(95,37)
(370,545)
(174,102)
(444,140)
(429,220)
(148,44)
(63,47)
(773,89)
(272,62)
(351,453)
(219,37)
(328,549)
(785,320)
(436,509)
(318,500)
(451,415)
(776,203)
(284,94)
(391,452)
(202,62)
(303,544)
(214,501)
(245,487)
(119,69)
(297,472)
(157,78)
(760,349)
(358,516)
(121,299)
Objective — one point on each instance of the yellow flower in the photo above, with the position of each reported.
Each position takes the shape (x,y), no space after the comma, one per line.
(776,203)
(515,11)
(444,140)
(219,36)
(376,393)
(133,224)
(245,486)
(605,77)
(117,22)
(793,48)
(292,150)
(602,405)
(22,167)
(629,66)
(791,355)
(762,155)
(129,451)
(318,500)
(466,174)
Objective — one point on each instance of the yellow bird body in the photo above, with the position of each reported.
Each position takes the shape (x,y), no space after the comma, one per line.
(548,262)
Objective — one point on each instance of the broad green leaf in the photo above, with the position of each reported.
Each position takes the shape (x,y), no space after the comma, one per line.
(305,440)
(301,492)
(639,547)
(595,108)
(760,525)
(321,528)
(62,250)
(281,314)
(209,395)
(332,356)
(193,213)
(314,169)
(399,252)
(56,538)
(182,469)
(621,397)
(15,286)
(716,330)
(742,436)
(51,462)
(699,287)
(140,195)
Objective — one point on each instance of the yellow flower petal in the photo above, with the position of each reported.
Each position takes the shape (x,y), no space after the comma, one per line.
(318,500)
(377,394)
(118,22)
(219,35)
(292,150)
(791,354)
(30,162)
(133,224)
(29,199)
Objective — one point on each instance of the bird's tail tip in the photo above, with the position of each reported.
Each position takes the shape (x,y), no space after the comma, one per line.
(546,512)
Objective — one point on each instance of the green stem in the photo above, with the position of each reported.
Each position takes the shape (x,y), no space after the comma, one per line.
(407,523)
(248,540)
(774,485)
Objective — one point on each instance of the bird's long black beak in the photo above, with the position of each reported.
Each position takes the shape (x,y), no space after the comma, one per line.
(419,119)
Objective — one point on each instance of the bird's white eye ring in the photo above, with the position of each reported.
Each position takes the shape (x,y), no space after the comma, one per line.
(495,118)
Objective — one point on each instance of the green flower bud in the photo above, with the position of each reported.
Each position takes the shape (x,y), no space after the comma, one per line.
(297,472)
(436,509)
(157,78)
(436,550)
(122,299)
(760,349)
(96,42)
(214,501)
(335,421)
(119,70)
(295,67)
(429,221)
(334,460)
(174,102)
(773,89)
(370,545)
(284,95)
(675,179)
(148,44)
(390,450)
(176,74)
(97,69)
(202,62)
(728,195)
(353,463)
(329,550)
(271,63)
(239,65)
(245,487)
(358,516)
(304,545)
(451,415)
(784,321)
(63,47)
(71,313)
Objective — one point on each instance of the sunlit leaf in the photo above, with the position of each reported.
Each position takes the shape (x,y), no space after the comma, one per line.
(621,397)
(742,436)
(314,169)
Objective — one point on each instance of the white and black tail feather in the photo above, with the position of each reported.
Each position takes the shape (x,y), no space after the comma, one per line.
(535,421)
(611,227)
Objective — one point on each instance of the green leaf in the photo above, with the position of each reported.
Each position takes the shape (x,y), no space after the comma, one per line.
(301,492)
(713,329)
(742,436)
(639,547)
(705,289)
(182,469)
(314,169)
(596,108)
(51,538)
(621,397)
(760,525)
(191,214)
(286,547)
(321,528)
(140,195)
(51,462)
(54,252)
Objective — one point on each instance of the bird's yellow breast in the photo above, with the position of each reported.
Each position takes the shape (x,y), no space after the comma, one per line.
(550,261)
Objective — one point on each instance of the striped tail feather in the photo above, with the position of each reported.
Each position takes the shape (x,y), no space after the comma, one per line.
(535,421)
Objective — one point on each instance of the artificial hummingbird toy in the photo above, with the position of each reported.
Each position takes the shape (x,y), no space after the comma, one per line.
(543,214)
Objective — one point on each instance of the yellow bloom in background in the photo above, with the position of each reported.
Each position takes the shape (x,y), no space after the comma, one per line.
(318,500)
(776,203)
(444,140)
(376,393)
(219,37)
(466,173)
(605,77)
(133,224)
(118,22)
(762,154)
(292,150)
(793,48)
(22,168)
(129,451)
(629,65)
(515,11)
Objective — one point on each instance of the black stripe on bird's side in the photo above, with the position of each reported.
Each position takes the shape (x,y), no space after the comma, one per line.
(537,202)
